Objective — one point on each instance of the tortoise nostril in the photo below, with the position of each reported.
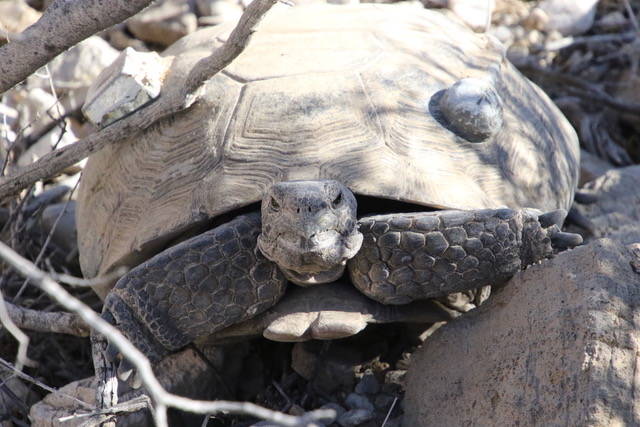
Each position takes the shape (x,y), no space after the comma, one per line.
(337,201)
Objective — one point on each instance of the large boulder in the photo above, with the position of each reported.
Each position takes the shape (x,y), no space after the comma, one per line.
(557,346)
(616,212)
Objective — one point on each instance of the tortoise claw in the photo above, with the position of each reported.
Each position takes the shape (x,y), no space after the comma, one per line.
(552,218)
(585,198)
(562,240)
(136,381)
(578,219)
(125,369)
(112,353)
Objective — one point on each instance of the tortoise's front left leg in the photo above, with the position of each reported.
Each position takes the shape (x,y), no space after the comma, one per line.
(195,288)
(407,257)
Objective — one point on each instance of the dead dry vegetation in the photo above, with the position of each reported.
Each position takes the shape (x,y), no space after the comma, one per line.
(593,77)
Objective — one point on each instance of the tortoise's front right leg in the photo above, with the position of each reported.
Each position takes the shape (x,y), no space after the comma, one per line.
(195,288)
(408,257)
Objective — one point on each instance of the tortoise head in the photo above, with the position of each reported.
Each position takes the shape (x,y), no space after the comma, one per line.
(310,229)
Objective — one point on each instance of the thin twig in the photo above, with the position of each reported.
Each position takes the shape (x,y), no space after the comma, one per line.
(594,39)
(582,88)
(42,385)
(100,280)
(632,16)
(23,340)
(47,241)
(393,404)
(133,405)
(281,391)
(160,396)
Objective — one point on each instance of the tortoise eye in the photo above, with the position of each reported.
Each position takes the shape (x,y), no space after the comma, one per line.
(337,201)
(274,205)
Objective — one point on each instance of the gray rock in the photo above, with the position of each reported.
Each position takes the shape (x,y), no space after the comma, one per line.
(591,167)
(218,11)
(368,385)
(77,68)
(133,79)
(395,377)
(503,33)
(568,17)
(616,214)
(8,115)
(15,396)
(355,417)
(339,409)
(65,234)
(556,346)
(476,14)
(328,370)
(56,138)
(358,401)
(15,16)
(164,22)
(36,109)
(612,21)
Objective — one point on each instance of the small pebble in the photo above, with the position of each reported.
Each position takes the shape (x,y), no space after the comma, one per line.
(518,32)
(358,401)
(368,385)
(518,54)
(339,409)
(612,21)
(504,34)
(355,417)
(395,377)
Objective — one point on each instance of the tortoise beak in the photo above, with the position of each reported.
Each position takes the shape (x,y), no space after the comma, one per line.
(309,228)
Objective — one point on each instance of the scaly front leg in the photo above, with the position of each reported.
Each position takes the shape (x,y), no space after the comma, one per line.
(407,257)
(195,288)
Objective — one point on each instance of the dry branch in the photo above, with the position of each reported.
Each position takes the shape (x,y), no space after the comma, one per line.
(15,371)
(58,160)
(160,396)
(21,337)
(580,88)
(133,405)
(58,322)
(63,24)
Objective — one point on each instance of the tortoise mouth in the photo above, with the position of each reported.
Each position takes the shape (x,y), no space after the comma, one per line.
(309,279)
(306,263)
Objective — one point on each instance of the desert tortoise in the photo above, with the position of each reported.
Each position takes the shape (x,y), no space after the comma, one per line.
(331,115)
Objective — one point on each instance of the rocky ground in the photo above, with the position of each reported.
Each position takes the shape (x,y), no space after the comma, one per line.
(585,55)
